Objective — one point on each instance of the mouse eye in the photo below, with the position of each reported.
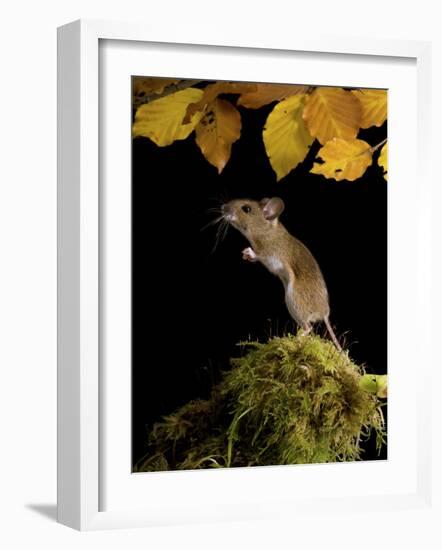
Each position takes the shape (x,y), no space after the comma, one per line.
(246,208)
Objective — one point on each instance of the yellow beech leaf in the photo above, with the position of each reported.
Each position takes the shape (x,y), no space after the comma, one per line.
(343,159)
(212,91)
(217,130)
(286,138)
(374,106)
(267,93)
(161,120)
(332,112)
(145,86)
(383,160)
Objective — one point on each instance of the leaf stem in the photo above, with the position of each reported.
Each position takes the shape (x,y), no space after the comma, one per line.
(376,147)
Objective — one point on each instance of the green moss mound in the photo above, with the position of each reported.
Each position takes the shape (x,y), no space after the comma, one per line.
(292,400)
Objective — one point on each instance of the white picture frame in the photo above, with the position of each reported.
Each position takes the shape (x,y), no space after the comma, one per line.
(80,392)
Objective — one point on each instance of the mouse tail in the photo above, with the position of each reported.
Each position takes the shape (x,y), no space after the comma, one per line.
(332,334)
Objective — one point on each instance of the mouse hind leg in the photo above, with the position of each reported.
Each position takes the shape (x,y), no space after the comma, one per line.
(298,311)
(306,328)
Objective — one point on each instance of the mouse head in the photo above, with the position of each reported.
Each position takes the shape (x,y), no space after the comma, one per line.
(253,219)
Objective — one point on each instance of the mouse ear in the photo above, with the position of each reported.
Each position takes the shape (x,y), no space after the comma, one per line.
(263,202)
(272,208)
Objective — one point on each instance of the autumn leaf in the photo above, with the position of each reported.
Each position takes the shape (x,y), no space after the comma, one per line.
(343,159)
(161,120)
(146,86)
(383,161)
(332,112)
(374,106)
(267,93)
(217,130)
(212,91)
(286,138)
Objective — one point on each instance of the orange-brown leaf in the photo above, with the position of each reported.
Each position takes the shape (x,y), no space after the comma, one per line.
(267,93)
(212,91)
(217,130)
(332,112)
(145,86)
(374,106)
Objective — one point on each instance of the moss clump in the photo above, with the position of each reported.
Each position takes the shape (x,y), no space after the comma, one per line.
(292,400)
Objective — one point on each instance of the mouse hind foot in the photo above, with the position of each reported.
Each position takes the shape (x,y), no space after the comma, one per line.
(306,329)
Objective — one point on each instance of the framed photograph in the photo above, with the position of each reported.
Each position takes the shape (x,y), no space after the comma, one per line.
(238,227)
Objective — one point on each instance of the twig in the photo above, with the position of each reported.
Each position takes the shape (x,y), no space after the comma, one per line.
(181,85)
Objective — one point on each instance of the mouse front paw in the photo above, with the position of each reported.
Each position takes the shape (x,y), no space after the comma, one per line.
(249,255)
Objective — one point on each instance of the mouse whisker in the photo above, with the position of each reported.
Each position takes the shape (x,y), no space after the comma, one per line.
(226,229)
(216,198)
(217,210)
(217,236)
(219,198)
(212,222)
(223,196)
(220,233)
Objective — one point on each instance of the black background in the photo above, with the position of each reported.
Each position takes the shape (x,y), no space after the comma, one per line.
(191,306)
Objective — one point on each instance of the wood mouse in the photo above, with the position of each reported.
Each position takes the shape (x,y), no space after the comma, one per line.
(285,256)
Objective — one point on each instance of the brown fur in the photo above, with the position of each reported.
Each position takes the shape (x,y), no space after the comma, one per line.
(288,258)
